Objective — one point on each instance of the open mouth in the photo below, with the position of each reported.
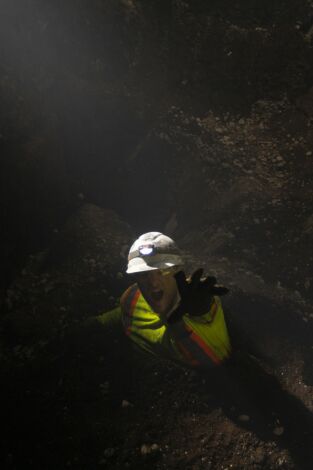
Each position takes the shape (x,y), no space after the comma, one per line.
(156,296)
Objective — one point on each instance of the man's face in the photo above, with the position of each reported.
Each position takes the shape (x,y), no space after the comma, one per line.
(159,289)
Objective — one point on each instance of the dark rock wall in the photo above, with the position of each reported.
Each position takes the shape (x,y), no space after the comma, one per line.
(66,115)
(86,95)
(121,116)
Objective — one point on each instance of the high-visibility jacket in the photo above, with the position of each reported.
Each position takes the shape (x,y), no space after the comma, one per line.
(194,340)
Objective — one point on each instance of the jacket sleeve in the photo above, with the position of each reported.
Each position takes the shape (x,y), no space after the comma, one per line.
(111,319)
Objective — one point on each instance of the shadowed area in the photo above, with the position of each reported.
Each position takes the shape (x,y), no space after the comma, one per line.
(192,118)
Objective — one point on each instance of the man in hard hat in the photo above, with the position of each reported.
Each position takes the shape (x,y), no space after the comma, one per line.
(166,314)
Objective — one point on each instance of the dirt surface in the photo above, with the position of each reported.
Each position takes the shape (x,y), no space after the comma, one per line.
(189,117)
(72,397)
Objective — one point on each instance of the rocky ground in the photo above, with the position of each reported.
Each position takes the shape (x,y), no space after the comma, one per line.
(192,118)
(72,398)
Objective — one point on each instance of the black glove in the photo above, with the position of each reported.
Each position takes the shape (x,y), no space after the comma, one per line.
(196,294)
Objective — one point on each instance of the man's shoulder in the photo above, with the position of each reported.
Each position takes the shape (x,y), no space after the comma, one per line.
(128,295)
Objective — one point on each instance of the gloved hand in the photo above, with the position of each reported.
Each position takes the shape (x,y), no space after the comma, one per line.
(196,294)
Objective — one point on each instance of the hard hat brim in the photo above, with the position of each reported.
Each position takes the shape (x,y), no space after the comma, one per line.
(152,263)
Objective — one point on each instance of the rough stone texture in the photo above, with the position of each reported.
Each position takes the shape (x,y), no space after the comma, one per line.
(191,117)
(80,275)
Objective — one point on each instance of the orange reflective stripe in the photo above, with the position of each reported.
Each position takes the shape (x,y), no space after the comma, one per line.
(125,296)
(208,351)
(185,340)
(128,303)
(188,356)
(132,308)
(133,302)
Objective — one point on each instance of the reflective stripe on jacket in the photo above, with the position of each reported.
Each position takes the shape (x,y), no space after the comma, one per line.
(197,341)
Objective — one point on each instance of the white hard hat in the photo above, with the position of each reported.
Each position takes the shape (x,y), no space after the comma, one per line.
(151,251)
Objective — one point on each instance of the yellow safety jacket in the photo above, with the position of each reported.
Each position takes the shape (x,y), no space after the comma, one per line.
(196,341)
